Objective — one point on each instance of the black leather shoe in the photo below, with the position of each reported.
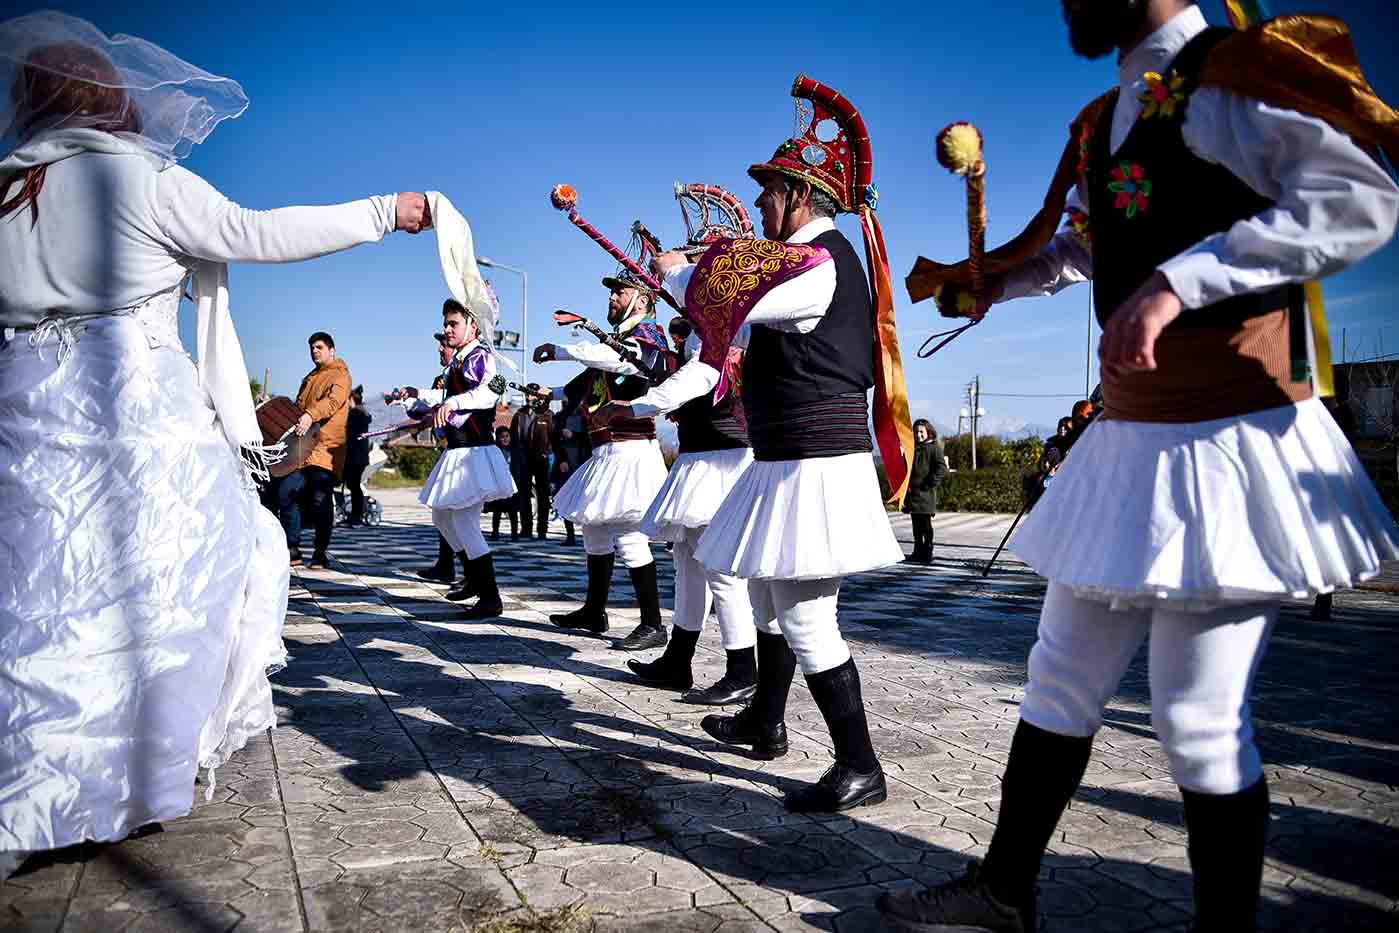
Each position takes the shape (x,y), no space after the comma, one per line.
(661,674)
(723,692)
(582,618)
(643,638)
(967,903)
(768,742)
(839,789)
(318,561)
(295,555)
(485,609)
(462,593)
(439,574)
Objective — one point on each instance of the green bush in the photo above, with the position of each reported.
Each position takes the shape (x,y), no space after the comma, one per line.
(413,463)
(991,489)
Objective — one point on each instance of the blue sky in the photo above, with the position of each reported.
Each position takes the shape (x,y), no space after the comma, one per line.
(493,105)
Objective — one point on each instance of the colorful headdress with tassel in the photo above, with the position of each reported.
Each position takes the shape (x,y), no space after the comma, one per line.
(831,150)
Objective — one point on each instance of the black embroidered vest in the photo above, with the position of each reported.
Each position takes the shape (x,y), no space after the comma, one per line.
(703,425)
(479,429)
(1154,198)
(787,372)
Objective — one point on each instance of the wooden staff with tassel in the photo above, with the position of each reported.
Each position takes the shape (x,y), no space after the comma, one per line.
(959,149)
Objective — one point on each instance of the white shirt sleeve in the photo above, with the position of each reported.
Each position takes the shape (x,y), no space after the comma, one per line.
(689,381)
(1333,204)
(479,398)
(1065,261)
(197,221)
(432,396)
(677,280)
(596,355)
(799,303)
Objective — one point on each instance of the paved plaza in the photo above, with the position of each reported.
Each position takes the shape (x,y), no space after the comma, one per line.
(431,773)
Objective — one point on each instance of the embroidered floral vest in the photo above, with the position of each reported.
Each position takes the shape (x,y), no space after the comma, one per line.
(1154,198)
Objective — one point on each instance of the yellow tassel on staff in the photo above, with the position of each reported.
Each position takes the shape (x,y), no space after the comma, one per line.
(1325,375)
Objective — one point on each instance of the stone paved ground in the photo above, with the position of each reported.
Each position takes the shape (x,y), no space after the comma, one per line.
(437,774)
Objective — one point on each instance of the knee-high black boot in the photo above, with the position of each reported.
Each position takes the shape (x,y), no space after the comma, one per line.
(672,668)
(592,615)
(650,633)
(1227,836)
(1041,776)
(488,606)
(443,571)
(468,581)
(761,724)
(856,779)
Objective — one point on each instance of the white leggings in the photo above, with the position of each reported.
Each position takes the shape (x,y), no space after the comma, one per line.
(697,586)
(633,548)
(462,529)
(804,612)
(1201,668)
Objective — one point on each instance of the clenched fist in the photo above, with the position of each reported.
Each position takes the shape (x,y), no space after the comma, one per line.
(412,215)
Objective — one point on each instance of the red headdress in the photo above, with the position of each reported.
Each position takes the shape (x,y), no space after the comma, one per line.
(831,151)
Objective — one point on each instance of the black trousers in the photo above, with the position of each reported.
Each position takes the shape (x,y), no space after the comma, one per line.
(309,488)
(521,475)
(539,477)
(354,472)
(922,534)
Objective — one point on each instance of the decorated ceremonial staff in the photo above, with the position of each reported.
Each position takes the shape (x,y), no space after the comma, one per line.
(714,452)
(808,510)
(1226,170)
(610,493)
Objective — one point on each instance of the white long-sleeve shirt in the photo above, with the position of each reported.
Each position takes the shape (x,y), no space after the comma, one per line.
(113,231)
(690,381)
(1333,205)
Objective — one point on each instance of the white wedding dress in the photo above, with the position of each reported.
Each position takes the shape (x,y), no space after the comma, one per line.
(142,586)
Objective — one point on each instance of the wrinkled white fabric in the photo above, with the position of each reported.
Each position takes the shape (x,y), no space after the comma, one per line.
(631,546)
(804,613)
(1201,668)
(694,489)
(467,476)
(1263,506)
(802,520)
(142,587)
(697,588)
(617,484)
(462,529)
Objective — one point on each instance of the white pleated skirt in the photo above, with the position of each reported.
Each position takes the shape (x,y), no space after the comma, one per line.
(693,492)
(616,485)
(1268,505)
(802,520)
(142,588)
(467,476)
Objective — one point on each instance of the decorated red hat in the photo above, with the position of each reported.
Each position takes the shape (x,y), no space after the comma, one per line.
(711,214)
(831,148)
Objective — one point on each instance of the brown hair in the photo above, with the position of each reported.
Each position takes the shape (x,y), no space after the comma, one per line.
(58,81)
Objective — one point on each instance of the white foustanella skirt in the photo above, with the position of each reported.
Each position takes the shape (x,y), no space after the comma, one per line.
(467,476)
(1264,506)
(142,588)
(802,520)
(693,492)
(616,485)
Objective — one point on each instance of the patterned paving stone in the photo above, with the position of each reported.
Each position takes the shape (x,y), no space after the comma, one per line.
(434,773)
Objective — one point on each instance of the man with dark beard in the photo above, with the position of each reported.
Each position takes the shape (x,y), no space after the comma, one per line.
(1212,191)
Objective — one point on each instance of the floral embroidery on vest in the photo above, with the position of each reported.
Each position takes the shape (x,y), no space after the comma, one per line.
(1163,96)
(1132,187)
(1078,223)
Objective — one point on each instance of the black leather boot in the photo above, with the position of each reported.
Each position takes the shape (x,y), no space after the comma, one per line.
(1041,775)
(467,589)
(651,632)
(443,571)
(592,615)
(739,683)
(760,724)
(672,668)
(856,779)
(489,605)
(1227,836)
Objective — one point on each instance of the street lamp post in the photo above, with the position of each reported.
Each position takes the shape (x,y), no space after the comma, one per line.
(524,315)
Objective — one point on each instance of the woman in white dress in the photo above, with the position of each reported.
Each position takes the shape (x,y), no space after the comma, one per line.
(142,588)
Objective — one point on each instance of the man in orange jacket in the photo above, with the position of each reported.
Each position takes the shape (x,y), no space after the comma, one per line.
(324,398)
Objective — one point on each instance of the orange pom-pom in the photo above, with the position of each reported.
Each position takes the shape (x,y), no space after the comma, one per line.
(564,197)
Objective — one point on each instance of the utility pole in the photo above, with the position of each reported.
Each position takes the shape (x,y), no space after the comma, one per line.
(974,403)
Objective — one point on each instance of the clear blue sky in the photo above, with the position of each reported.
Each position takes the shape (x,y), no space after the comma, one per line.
(494,105)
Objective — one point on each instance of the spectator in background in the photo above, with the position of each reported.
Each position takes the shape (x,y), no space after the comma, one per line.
(531,433)
(679,330)
(921,502)
(1037,482)
(356,454)
(571,450)
(510,504)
